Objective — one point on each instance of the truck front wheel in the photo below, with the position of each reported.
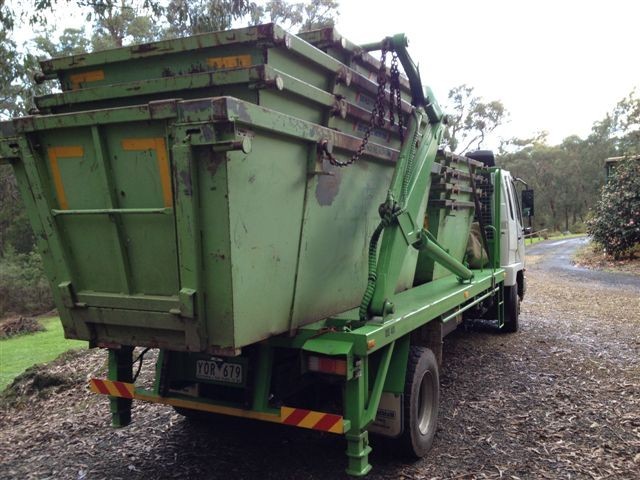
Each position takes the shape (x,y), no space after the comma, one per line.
(421,400)
(511,309)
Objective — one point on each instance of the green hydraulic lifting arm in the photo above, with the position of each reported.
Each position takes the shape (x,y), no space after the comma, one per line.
(402,212)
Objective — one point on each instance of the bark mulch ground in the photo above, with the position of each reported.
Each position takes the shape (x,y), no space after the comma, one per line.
(590,256)
(559,399)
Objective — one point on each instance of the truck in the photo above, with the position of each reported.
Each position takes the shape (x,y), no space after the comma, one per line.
(275,214)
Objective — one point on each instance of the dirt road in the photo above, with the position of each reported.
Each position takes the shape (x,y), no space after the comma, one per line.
(559,399)
(555,257)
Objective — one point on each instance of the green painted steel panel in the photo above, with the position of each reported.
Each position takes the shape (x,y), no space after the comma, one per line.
(449,225)
(266,193)
(214,223)
(341,213)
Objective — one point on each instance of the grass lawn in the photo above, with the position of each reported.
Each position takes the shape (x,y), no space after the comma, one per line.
(19,353)
(531,241)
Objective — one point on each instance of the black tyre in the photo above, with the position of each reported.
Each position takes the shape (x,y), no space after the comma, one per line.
(421,400)
(511,309)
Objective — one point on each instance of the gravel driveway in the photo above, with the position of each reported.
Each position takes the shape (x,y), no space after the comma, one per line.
(559,399)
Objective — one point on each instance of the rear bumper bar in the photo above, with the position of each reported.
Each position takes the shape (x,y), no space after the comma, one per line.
(295,417)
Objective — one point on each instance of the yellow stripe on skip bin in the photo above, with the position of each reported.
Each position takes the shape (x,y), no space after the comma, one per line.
(56,153)
(236,61)
(158,145)
(85,77)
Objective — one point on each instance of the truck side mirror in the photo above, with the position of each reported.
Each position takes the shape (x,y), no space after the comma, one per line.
(527,203)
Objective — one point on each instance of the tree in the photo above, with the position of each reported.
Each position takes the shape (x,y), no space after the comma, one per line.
(117,23)
(471,119)
(625,124)
(186,17)
(15,231)
(6,16)
(189,17)
(11,77)
(616,217)
(308,16)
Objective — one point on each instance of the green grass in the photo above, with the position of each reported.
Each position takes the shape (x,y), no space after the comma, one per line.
(19,353)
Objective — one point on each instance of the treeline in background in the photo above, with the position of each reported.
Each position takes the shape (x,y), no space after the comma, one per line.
(567,177)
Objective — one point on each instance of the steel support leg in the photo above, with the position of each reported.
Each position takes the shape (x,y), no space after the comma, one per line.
(358,448)
(358,451)
(120,369)
(263,379)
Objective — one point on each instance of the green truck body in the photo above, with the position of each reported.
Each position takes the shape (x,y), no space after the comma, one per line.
(212,197)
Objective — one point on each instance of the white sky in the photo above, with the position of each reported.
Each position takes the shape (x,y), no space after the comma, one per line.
(556,65)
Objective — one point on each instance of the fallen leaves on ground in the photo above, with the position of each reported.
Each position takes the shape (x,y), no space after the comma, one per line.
(559,399)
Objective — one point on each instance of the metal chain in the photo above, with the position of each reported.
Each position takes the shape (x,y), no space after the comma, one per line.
(395,95)
(378,110)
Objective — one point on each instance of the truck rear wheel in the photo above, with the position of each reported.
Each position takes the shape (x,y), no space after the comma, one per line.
(511,309)
(421,400)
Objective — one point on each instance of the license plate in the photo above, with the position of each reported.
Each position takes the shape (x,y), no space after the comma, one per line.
(219,371)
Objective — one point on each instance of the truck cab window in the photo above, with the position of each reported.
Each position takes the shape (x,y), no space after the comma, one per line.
(509,195)
(517,202)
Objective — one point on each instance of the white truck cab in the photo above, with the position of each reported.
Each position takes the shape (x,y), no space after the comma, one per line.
(512,255)
(511,231)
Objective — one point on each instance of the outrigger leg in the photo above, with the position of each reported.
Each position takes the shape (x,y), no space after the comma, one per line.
(121,370)
(361,406)
(358,448)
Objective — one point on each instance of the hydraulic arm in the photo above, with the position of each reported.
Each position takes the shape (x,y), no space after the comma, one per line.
(402,213)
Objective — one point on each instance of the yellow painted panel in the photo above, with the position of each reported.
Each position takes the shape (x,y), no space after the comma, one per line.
(158,145)
(56,153)
(236,61)
(92,76)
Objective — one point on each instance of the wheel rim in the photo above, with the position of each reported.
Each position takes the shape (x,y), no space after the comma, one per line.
(425,403)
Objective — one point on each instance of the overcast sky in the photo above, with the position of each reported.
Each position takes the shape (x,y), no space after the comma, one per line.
(556,65)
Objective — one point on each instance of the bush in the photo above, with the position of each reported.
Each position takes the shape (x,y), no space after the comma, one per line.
(18,326)
(615,224)
(23,286)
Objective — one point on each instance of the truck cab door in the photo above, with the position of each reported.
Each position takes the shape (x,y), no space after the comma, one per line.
(519,251)
(511,231)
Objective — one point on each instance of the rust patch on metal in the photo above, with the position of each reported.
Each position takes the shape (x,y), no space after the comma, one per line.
(208,132)
(328,185)
(46,66)
(214,161)
(185,176)
(144,48)
(196,68)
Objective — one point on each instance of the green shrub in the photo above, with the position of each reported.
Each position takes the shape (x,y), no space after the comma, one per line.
(615,223)
(23,286)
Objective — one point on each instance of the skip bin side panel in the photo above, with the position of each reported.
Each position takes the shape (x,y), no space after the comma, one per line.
(36,198)
(305,70)
(340,216)
(173,63)
(291,104)
(266,198)
(216,249)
